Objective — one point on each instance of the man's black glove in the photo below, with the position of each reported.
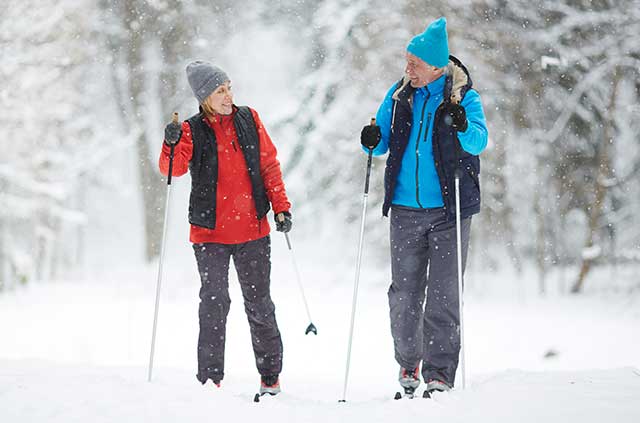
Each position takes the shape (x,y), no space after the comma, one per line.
(172,133)
(283,221)
(370,136)
(456,116)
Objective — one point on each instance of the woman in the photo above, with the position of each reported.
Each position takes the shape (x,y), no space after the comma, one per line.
(235,178)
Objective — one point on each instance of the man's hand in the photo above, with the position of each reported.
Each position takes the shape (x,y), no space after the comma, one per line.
(172,133)
(370,136)
(283,221)
(456,116)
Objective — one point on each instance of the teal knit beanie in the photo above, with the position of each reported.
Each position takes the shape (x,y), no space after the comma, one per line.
(432,45)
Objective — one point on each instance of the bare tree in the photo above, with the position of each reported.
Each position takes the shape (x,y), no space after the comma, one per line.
(147,47)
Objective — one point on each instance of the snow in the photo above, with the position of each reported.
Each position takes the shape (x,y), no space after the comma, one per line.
(115,394)
(77,350)
(592,252)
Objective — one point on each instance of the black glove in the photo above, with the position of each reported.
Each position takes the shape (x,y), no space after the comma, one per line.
(370,136)
(456,116)
(283,221)
(172,133)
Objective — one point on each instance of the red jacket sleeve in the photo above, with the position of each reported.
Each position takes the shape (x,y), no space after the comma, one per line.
(181,154)
(270,169)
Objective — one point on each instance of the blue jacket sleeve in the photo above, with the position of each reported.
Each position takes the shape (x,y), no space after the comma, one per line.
(474,139)
(383,120)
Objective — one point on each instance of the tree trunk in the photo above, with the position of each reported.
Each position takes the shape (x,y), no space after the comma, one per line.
(151,185)
(540,243)
(601,185)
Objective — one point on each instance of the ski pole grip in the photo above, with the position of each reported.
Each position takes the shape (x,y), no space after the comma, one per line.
(175,117)
(373,121)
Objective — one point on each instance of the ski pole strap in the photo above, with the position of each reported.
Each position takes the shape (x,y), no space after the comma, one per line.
(174,119)
(170,164)
(456,152)
(366,181)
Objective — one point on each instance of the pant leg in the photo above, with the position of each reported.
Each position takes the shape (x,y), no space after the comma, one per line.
(409,260)
(253,264)
(442,315)
(213,266)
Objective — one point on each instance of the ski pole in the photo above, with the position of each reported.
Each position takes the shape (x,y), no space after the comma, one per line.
(458,174)
(162,249)
(311,327)
(358,260)
(460,299)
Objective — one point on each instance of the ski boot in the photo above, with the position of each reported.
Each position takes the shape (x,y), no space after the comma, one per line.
(435,385)
(409,380)
(268,385)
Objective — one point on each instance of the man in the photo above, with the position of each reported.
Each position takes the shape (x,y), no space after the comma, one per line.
(431,122)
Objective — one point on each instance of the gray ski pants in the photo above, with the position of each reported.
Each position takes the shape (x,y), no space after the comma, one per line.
(252,261)
(423,258)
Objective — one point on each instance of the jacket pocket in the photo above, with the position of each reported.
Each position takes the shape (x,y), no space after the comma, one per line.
(470,182)
(202,205)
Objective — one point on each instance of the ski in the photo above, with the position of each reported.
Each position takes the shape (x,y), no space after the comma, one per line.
(409,393)
(256,398)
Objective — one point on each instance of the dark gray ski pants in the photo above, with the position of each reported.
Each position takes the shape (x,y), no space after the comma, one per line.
(423,257)
(252,261)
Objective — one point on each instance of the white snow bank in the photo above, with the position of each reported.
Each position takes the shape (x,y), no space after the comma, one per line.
(49,392)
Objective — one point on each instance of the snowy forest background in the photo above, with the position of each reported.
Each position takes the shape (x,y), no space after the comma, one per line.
(88,86)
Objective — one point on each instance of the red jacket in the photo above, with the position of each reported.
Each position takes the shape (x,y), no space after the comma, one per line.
(236,220)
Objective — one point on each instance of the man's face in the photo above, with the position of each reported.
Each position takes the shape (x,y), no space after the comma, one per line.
(421,73)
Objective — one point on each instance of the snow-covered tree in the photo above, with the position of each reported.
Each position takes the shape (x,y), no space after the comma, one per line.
(49,140)
(559,70)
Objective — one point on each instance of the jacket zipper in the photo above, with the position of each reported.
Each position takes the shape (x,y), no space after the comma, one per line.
(424,106)
(426,132)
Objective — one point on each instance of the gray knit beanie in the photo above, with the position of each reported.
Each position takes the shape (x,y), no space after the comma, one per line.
(204,78)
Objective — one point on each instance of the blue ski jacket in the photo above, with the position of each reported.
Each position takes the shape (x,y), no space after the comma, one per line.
(424,150)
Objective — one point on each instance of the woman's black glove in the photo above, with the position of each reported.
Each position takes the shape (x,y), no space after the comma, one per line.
(283,221)
(370,136)
(172,133)
(456,116)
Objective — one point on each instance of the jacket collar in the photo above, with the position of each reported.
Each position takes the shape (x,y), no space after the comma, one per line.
(456,82)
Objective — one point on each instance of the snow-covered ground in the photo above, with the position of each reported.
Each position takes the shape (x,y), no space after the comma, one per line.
(77,350)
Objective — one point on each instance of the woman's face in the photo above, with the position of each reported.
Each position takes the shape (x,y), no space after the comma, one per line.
(221,100)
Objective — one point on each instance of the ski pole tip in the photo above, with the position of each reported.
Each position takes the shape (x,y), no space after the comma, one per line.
(175,117)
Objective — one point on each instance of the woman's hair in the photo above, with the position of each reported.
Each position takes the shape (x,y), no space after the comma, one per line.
(207,109)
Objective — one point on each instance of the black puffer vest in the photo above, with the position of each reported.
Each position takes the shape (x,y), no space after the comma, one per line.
(204,167)
(447,153)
